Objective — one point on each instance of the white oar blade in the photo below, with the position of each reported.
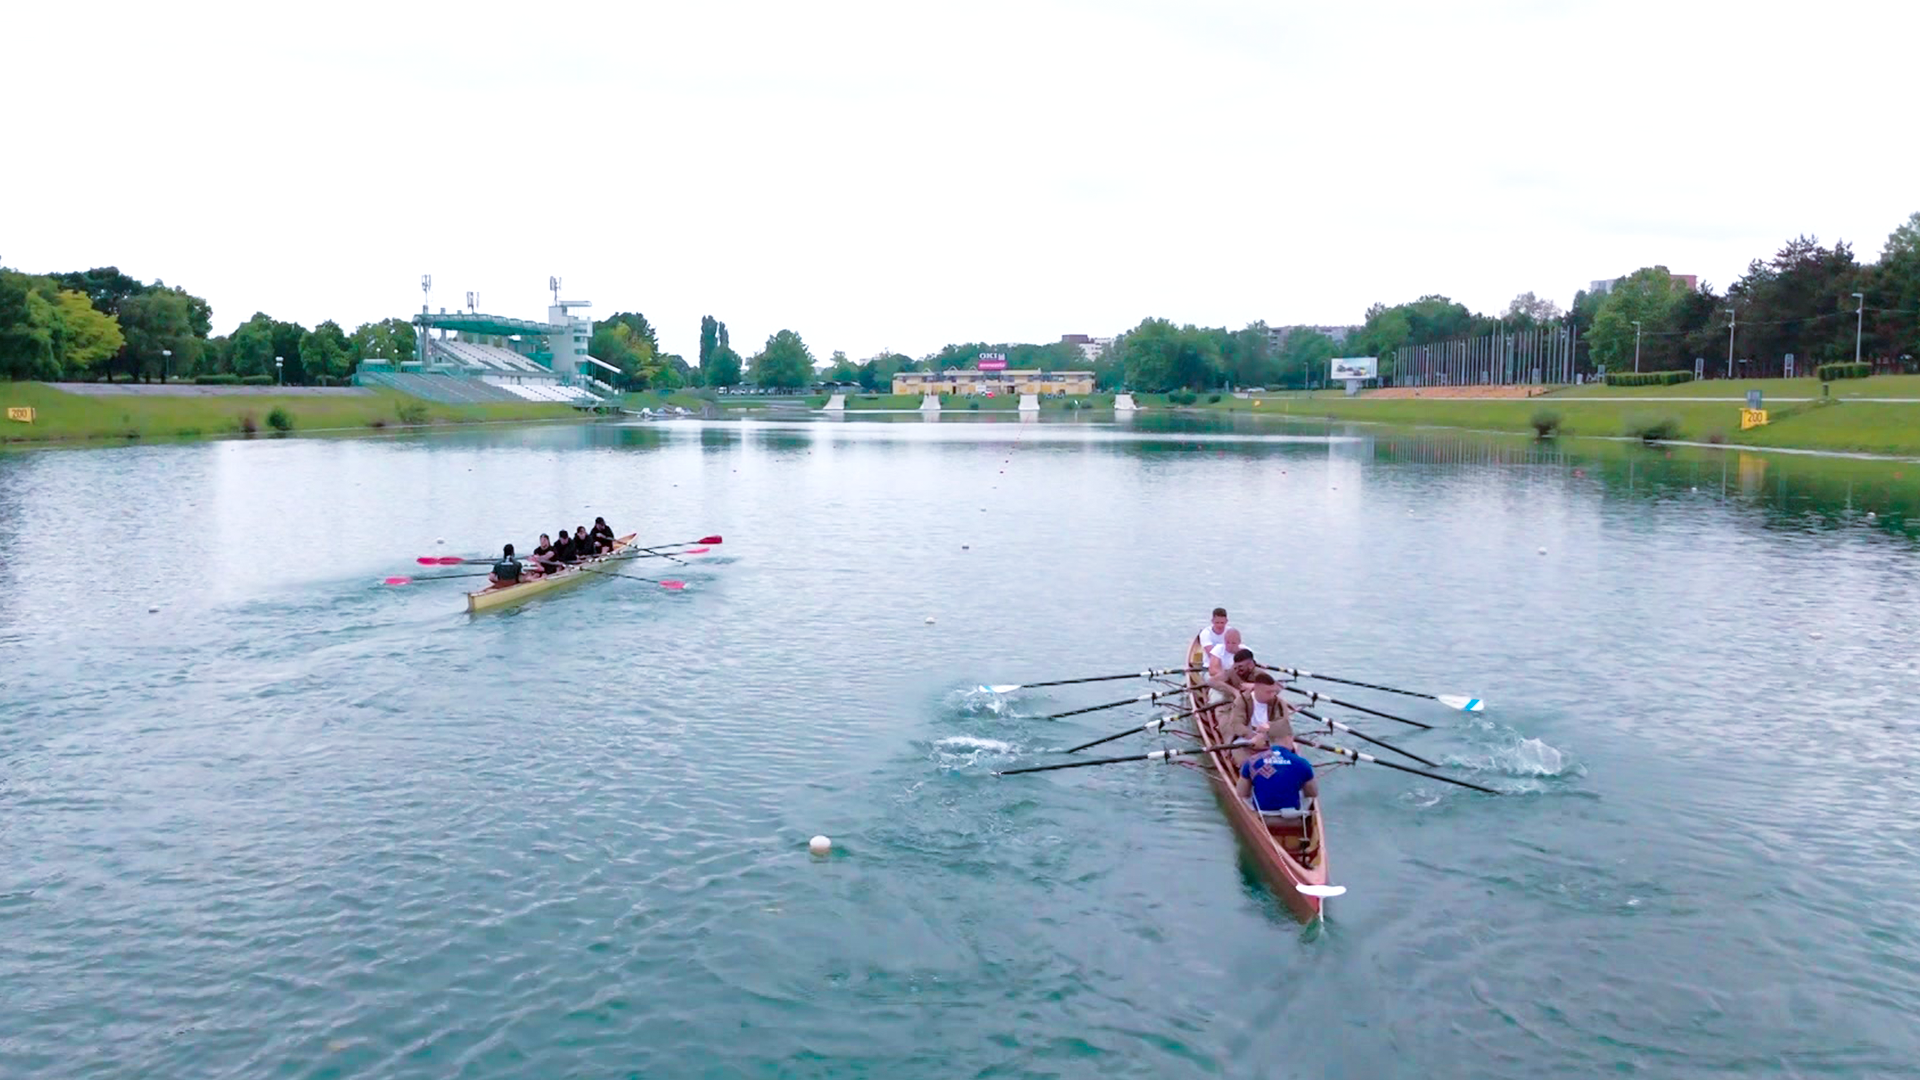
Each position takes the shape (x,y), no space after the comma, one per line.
(1464,704)
(1323,891)
(1001,688)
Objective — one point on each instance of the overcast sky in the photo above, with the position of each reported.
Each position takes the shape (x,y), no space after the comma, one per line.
(900,176)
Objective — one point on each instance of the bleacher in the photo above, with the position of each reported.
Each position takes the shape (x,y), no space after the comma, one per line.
(483,357)
(546,392)
(445,389)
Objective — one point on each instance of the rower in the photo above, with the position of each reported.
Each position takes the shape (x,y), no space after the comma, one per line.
(1259,711)
(1238,673)
(1220,658)
(543,559)
(563,548)
(1215,632)
(583,545)
(507,570)
(1277,780)
(603,533)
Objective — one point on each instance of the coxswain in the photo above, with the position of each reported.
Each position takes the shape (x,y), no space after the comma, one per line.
(1275,778)
(603,534)
(563,548)
(507,570)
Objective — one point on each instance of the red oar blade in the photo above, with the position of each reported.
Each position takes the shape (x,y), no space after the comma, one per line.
(675,585)
(696,551)
(439,560)
(708,540)
(397,581)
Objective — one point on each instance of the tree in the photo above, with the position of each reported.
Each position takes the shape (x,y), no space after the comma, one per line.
(842,369)
(1305,357)
(1529,310)
(389,340)
(105,287)
(82,336)
(632,350)
(784,364)
(159,325)
(26,325)
(722,367)
(1904,240)
(287,337)
(1650,296)
(1159,357)
(324,353)
(250,348)
(709,338)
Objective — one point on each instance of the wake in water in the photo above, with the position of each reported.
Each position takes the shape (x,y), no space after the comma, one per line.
(965,752)
(1509,753)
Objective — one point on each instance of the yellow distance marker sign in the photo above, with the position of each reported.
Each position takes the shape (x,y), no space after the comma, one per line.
(1752,418)
(24,414)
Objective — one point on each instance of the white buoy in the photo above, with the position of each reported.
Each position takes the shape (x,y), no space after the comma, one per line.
(1816,635)
(1543,551)
(439,539)
(153,610)
(929,620)
(819,845)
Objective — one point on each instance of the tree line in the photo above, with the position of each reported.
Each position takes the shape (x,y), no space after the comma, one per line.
(1808,299)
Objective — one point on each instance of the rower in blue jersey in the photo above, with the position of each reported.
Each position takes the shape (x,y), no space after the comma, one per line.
(1275,778)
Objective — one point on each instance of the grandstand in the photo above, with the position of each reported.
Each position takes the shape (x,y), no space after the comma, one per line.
(468,358)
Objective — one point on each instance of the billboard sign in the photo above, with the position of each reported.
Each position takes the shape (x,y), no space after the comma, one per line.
(1354,367)
(993,361)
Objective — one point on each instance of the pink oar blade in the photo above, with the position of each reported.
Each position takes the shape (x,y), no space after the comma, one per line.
(439,560)
(673,585)
(696,551)
(398,581)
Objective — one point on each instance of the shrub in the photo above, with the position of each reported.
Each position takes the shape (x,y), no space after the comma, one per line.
(973,404)
(1182,397)
(1653,429)
(1849,370)
(257,380)
(1648,378)
(1545,423)
(411,412)
(216,380)
(377,423)
(247,425)
(1213,399)
(280,419)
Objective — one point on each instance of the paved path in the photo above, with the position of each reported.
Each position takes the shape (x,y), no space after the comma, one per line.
(97,389)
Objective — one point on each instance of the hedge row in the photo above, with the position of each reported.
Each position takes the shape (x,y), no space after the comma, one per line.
(1830,372)
(1648,378)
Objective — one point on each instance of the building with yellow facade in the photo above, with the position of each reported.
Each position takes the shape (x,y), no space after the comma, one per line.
(970,381)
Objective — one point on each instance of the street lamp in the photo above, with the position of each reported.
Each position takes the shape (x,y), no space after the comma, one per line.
(1636,346)
(1859,322)
(279,363)
(1732,318)
(166,363)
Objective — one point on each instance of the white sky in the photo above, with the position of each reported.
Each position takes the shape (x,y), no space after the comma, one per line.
(898,175)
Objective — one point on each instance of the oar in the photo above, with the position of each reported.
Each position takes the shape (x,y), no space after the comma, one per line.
(1310,714)
(1316,697)
(1156,755)
(1451,701)
(1008,688)
(436,577)
(1112,704)
(1358,756)
(657,550)
(1150,726)
(668,584)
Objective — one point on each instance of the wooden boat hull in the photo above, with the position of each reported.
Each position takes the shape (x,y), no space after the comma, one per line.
(1282,869)
(499,596)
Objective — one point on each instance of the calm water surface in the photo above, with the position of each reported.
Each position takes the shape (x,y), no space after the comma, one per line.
(297,824)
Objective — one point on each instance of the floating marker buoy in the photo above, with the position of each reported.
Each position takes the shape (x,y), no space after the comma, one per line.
(1816,635)
(819,845)
(1543,551)
(964,547)
(929,620)
(153,611)
(439,539)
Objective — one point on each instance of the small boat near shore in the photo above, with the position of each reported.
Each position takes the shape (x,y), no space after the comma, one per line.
(1291,852)
(499,596)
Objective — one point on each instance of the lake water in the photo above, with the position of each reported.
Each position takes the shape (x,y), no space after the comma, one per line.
(297,824)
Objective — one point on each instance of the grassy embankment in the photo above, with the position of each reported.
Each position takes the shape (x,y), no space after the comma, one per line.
(64,417)
(1852,419)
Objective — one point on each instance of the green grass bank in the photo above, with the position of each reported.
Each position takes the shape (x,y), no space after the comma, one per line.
(63,417)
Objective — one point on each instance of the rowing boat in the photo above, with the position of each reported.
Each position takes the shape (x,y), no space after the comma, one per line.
(1289,853)
(496,596)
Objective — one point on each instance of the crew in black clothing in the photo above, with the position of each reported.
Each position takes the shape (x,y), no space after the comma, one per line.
(543,560)
(563,548)
(603,534)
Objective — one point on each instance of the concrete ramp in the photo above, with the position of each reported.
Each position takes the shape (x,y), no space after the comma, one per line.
(837,403)
(930,403)
(1029,402)
(1124,403)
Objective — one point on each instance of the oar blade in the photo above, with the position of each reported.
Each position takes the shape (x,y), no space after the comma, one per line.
(708,540)
(673,585)
(696,551)
(1324,892)
(397,581)
(999,688)
(1464,704)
